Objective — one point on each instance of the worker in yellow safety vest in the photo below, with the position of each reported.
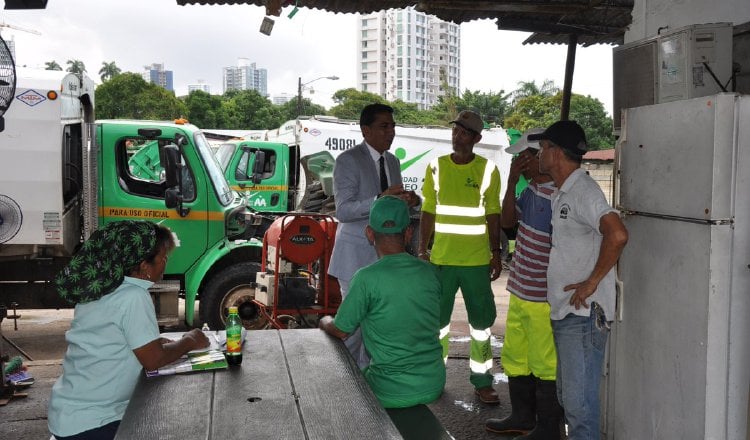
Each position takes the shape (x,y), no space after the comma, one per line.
(461,209)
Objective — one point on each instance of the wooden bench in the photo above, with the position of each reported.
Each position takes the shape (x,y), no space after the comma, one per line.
(418,423)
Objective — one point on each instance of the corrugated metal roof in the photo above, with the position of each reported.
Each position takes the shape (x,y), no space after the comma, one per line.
(603,155)
(594,21)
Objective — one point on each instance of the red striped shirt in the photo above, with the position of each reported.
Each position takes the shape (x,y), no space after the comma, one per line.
(528,270)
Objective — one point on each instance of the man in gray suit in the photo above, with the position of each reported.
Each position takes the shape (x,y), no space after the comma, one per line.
(361,175)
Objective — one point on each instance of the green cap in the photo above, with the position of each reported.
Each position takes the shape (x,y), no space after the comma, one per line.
(389,215)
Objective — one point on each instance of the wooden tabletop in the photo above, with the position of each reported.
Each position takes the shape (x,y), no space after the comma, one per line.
(292,384)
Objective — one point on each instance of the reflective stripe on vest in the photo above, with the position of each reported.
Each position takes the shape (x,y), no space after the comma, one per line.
(469,212)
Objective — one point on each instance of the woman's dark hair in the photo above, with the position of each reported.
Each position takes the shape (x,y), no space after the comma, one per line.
(164,240)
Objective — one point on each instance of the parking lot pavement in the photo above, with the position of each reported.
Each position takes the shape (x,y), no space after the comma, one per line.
(41,335)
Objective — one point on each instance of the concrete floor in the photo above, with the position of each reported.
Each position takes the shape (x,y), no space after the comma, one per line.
(41,334)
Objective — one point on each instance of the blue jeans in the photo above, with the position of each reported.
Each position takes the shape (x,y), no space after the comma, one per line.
(580,355)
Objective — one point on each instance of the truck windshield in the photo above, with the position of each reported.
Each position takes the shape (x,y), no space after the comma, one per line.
(224,154)
(223,192)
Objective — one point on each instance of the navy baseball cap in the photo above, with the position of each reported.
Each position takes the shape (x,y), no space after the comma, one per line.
(565,134)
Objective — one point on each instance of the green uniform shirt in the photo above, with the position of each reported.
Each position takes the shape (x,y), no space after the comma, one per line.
(460,190)
(396,302)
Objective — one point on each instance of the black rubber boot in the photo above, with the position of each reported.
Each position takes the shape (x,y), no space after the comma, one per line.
(522,400)
(549,413)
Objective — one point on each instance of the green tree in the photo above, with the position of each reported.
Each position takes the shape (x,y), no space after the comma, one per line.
(541,111)
(448,103)
(267,117)
(52,65)
(590,113)
(409,113)
(492,107)
(128,96)
(308,108)
(76,66)
(288,109)
(350,102)
(529,88)
(204,110)
(242,107)
(108,70)
(533,111)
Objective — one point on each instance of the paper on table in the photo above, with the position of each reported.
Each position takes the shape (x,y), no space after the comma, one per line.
(208,358)
(216,338)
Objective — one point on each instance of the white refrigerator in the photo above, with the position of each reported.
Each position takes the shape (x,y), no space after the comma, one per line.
(679,354)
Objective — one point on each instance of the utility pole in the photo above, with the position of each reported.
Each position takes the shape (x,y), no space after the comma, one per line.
(300,87)
(299,96)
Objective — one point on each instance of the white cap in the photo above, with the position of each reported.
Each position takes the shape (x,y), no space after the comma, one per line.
(524,143)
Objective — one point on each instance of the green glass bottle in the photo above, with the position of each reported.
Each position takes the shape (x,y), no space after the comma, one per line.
(234,337)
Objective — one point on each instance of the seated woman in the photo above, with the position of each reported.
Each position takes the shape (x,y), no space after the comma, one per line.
(114,331)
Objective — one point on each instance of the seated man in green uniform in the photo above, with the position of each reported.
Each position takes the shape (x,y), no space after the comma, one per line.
(396,302)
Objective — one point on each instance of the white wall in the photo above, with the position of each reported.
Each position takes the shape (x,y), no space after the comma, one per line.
(650,15)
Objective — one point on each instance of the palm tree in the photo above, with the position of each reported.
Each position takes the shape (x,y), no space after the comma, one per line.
(76,66)
(529,88)
(52,65)
(108,70)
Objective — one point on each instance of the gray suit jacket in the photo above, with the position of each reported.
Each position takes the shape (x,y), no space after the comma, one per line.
(356,183)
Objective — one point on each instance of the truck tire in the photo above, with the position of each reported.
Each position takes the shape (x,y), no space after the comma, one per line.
(315,200)
(314,197)
(232,286)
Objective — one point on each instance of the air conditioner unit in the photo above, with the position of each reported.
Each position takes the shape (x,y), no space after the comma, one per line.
(675,65)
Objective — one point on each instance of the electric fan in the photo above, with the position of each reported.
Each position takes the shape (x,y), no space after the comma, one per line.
(11,218)
(7,80)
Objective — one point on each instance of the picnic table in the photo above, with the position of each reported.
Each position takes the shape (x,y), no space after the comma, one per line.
(292,384)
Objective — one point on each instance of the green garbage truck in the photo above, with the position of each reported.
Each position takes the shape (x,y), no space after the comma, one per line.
(64,174)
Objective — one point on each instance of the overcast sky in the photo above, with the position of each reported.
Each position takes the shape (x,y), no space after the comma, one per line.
(196,42)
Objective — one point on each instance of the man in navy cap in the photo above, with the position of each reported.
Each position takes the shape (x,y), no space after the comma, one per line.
(587,239)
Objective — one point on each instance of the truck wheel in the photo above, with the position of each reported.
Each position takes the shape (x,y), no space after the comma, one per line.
(316,200)
(233,286)
(314,197)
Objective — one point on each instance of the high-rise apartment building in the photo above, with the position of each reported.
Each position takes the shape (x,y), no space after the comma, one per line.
(408,55)
(201,85)
(246,76)
(156,74)
(282,98)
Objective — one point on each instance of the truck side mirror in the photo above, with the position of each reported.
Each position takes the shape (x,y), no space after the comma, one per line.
(259,166)
(170,155)
(180,139)
(172,197)
(172,165)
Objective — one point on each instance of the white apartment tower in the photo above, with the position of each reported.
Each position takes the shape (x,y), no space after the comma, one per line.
(201,85)
(246,76)
(405,54)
